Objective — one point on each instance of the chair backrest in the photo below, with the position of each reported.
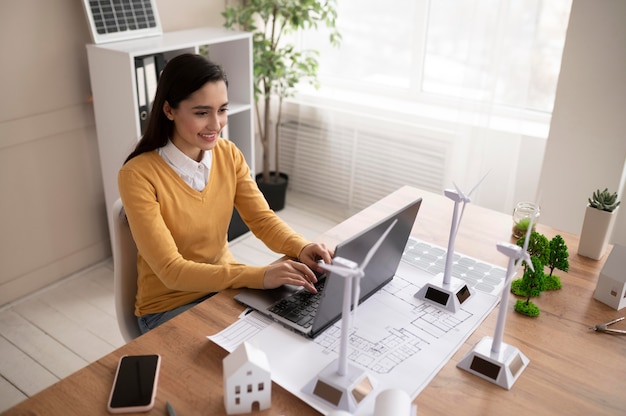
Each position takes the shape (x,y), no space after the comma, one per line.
(125,274)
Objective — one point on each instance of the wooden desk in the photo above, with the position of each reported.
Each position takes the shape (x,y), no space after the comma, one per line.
(572,369)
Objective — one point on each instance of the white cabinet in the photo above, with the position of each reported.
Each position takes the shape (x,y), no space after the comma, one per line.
(113,84)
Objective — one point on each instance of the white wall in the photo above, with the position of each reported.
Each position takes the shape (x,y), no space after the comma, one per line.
(586,148)
(53,220)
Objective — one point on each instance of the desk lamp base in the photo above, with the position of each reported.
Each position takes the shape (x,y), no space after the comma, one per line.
(502,368)
(343,392)
(448,296)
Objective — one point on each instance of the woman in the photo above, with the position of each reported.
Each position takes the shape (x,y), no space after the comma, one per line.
(179,187)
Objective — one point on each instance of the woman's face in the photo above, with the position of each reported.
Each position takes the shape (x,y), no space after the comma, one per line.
(199,119)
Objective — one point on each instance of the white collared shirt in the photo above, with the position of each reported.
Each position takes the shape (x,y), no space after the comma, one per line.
(195,174)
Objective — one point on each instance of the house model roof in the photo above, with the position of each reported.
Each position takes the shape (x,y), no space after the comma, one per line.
(245,353)
(614,265)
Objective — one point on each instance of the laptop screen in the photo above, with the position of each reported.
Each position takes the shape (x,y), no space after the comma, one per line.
(381,268)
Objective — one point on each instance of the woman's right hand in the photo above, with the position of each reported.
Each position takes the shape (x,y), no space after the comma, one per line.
(289,272)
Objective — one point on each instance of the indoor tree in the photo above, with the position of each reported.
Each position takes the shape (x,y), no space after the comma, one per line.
(278,64)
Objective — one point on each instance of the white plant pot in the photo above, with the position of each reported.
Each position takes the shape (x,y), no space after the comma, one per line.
(594,237)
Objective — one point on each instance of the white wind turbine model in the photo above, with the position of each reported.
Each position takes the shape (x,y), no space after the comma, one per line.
(340,383)
(491,359)
(450,292)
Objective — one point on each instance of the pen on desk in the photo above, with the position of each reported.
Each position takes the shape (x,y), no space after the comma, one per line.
(245,312)
(170,409)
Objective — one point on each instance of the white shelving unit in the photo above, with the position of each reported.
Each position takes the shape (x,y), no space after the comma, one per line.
(113,84)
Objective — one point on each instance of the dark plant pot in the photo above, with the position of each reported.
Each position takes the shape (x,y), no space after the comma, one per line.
(274,190)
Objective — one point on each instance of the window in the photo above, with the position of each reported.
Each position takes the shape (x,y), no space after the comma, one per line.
(505,51)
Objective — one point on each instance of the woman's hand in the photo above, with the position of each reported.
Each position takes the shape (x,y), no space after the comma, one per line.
(289,272)
(314,252)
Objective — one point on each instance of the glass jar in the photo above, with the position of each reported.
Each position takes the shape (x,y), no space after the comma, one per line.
(521,217)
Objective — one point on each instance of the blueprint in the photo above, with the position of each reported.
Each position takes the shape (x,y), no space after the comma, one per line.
(401,342)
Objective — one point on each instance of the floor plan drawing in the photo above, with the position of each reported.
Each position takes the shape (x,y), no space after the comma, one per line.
(400,340)
(425,324)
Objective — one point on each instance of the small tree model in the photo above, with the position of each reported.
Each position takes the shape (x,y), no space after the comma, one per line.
(532,283)
(552,254)
(556,260)
(539,248)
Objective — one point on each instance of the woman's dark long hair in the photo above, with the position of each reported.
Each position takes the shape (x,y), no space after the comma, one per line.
(181,77)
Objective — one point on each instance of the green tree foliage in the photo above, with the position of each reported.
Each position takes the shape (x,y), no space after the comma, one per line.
(529,308)
(558,255)
(552,254)
(533,282)
(538,247)
(556,260)
(278,65)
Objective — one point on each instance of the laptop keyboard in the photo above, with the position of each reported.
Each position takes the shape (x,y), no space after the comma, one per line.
(300,307)
(477,274)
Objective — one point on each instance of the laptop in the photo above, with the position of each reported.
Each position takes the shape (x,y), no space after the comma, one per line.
(310,314)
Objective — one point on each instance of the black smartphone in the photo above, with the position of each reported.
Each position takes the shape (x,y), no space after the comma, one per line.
(135,384)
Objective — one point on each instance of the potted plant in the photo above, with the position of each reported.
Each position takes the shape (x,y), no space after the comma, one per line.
(598,223)
(279,66)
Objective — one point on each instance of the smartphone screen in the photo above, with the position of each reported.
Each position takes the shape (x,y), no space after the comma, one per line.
(134,388)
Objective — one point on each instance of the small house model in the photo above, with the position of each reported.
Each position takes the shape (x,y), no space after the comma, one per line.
(611,285)
(247,380)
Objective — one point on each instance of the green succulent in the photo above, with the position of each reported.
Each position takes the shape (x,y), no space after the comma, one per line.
(604,200)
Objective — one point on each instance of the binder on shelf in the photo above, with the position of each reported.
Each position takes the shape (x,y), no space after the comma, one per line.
(149,65)
(142,97)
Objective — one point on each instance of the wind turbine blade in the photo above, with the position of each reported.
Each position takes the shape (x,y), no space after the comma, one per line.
(340,270)
(461,194)
(478,183)
(529,231)
(374,248)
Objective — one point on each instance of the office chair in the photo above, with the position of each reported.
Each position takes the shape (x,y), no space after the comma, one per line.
(125,274)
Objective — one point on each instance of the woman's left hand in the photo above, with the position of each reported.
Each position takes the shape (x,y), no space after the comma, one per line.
(314,252)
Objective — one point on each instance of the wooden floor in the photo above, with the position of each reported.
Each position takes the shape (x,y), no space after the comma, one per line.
(59,330)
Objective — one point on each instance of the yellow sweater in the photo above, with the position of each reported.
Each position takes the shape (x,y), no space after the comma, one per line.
(181,234)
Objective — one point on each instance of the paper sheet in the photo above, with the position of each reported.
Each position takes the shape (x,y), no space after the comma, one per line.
(401,341)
